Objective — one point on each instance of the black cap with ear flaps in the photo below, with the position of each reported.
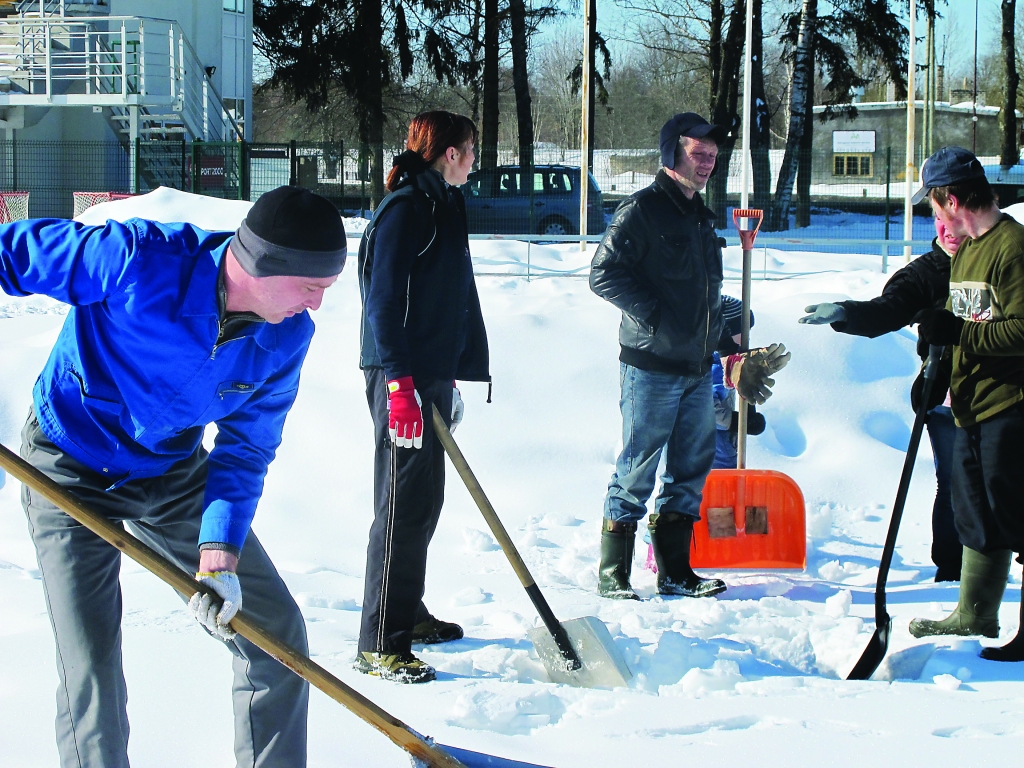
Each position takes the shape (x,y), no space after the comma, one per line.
(688,124)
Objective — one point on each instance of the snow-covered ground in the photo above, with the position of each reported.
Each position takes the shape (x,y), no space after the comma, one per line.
(755,677)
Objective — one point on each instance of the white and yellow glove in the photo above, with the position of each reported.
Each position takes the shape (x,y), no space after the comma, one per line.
(205,610)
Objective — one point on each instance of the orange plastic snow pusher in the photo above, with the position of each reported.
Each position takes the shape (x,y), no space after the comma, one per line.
(750,518)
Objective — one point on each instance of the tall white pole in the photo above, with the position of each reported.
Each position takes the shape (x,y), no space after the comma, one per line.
(585,126)
(908,207)
(745,188)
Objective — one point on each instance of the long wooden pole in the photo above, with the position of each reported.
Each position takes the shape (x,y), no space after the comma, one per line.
(313,673)
(585,125)
(908,206)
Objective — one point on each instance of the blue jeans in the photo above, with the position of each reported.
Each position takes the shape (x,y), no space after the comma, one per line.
(662,412)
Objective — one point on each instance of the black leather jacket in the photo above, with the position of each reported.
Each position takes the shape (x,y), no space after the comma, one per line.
(660,262)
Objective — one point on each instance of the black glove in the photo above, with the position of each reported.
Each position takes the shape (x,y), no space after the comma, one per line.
(939,388)
(755,422)
(939,326)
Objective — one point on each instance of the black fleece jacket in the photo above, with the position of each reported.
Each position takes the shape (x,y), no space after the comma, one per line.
(922,284)
(421,311)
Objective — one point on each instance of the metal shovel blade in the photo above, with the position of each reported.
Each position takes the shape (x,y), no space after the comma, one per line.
(874,652)
(603,665)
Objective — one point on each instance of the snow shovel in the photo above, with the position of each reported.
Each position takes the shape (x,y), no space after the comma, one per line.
(419,748)
(578,652)
(879,642)
(749,518)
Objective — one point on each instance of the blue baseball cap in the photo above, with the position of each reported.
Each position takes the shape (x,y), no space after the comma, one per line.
(950,165)
(686,124)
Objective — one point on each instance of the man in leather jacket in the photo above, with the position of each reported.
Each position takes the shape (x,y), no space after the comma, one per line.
(660,263)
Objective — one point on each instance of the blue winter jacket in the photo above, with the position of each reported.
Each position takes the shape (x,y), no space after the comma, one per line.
(136,373)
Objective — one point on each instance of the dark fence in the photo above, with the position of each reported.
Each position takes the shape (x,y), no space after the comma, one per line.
(843,194)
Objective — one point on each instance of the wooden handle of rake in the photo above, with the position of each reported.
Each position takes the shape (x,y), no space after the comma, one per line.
(305,668)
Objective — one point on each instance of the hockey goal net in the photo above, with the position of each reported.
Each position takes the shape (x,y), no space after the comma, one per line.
(86,200)
(13,206)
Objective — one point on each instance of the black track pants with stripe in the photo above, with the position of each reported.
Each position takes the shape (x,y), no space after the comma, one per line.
(408,491)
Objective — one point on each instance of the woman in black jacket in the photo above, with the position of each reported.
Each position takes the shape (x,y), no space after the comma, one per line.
(421,330)
(922,284)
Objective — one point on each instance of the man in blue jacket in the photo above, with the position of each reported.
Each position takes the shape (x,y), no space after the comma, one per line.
(171,328)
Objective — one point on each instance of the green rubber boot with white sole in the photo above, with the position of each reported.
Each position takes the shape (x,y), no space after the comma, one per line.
(982,583)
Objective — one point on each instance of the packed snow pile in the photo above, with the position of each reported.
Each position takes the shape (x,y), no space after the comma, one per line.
(755,676)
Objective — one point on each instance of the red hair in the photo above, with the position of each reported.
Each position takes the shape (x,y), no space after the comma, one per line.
(430,135)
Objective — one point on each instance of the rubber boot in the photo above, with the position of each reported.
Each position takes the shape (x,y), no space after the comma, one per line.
(982,582)
(1013,650)
(617,540)
(671,534)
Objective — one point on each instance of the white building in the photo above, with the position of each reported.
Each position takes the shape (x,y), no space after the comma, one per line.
(115,71)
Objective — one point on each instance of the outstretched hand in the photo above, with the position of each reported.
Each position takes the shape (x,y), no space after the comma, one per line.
(821,314)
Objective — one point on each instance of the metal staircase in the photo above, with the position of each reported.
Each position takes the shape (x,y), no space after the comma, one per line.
(141,73)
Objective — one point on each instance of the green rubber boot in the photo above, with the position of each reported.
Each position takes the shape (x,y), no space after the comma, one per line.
(617,541)
(671,534)
(982,582)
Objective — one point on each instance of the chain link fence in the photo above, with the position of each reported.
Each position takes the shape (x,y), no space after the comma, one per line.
(838,196)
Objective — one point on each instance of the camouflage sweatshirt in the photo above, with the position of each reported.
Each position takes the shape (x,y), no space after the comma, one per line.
(986,288)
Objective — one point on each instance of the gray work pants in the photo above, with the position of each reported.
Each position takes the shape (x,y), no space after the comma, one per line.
(83,597)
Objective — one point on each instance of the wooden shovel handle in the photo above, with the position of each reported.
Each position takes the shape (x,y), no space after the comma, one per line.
(305,668)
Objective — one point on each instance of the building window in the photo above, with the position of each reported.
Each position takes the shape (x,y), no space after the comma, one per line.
(851,165)
(238,6)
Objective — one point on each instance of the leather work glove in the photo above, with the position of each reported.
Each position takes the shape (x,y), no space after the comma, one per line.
(458,408)
(939,326)
(405,415)
(749,373)
(821,314)
(216,618)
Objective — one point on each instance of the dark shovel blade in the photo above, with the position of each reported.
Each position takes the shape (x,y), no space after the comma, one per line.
(874,653)
(480,760)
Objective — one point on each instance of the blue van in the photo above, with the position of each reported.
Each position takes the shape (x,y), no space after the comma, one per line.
(497,203)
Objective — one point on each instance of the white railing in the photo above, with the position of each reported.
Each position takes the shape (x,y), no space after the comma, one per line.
(115,61)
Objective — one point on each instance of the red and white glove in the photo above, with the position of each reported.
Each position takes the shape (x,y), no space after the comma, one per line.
(405,415)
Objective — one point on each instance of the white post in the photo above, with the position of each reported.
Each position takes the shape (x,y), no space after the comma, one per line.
(744,191)
(124,62)
(49,72)
(141,54)
(206,108)
(171,72)
(908,207)
(585,125)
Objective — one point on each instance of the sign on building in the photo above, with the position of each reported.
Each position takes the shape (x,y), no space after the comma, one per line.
(853,141)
